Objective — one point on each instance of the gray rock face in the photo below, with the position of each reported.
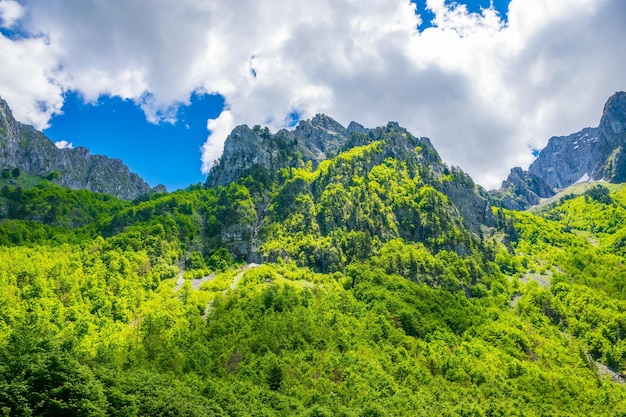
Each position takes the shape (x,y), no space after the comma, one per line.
(245,148)
(592,153)
(597,153)
(567,159)
(22,146)
(320,138)
(521,190)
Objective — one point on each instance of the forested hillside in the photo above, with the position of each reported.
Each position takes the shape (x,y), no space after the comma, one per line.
(385,288)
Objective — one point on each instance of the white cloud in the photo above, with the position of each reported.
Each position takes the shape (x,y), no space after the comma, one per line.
(484,90)
(10,12)
(63,144)
(219,128)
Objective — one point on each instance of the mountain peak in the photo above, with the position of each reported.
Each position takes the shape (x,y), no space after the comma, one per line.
(24,147)
(7,122)
(614,115)
(594,153)
(328,123)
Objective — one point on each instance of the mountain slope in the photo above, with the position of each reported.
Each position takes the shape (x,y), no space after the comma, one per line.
(24,147)
(387,288)
(385,178)
(592,154)
(91,322)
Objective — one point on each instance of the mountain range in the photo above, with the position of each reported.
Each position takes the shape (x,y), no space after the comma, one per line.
(592,154)
(324,271)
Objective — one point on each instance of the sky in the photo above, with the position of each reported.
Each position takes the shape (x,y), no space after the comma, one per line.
(161,83)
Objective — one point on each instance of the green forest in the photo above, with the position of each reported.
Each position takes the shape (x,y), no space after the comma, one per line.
(354,288)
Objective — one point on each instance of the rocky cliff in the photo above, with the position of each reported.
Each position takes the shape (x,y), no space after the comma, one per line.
(257,152)
(592,154)
(521,190)
(248,148)
(23,147)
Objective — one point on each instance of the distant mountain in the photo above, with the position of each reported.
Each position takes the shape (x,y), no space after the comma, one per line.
(592,154)
(24,147)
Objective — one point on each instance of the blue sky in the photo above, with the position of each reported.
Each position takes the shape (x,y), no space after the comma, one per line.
(502,6)
(487,86)
(163,153)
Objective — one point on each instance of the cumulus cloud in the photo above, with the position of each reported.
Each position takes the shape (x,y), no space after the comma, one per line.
(63,144)
(485,89)
(219,128)
(10,12)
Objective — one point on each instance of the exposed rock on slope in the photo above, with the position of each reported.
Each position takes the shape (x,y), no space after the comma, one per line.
(521,190)
(255,151)
(245,148)
(23,147)
(591,154)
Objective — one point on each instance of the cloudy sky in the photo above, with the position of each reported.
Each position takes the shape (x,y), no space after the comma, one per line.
(160,83)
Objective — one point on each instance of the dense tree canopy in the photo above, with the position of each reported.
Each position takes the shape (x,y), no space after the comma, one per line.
(374,298)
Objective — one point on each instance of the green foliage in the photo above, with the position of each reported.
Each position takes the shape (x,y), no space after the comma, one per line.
(53,175)
(374,297)
(599,194)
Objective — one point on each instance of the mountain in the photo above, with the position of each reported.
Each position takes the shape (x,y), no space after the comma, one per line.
(23,147)
(328,271)
(320,158)
(312,140)
(521,190)
(592,154)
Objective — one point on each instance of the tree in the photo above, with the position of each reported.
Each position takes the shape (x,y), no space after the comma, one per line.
(53,175)
(275,376)
(195,260)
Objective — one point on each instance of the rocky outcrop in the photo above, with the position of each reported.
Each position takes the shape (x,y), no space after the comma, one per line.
(246,148)
(521,190)
(568,159)
(24,147)
(592,154)
(257,152)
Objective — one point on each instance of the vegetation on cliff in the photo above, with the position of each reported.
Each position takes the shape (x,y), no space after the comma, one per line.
(376,296)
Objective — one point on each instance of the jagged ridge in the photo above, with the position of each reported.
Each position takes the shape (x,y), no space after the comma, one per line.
(591,154)
(24,147)
(336,157)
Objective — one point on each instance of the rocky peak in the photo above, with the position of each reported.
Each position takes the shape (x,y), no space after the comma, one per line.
(355,127)
(591,154)
(259,153)
(568,159)
(7,123)
(521,190)
(613,121)
(23,146)
(328,124)
(322,135)
(244,149)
